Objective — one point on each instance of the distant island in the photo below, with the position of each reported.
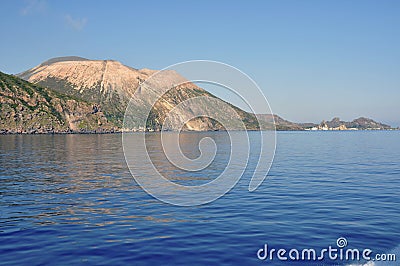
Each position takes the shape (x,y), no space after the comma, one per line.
(361,123)
(77,95)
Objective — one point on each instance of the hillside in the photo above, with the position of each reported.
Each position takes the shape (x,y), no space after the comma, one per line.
(110,85)
(280,123)
(28,108)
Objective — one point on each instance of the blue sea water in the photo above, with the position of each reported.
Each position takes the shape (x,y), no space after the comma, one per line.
(70,199)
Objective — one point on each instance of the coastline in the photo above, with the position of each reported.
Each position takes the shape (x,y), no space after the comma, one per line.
(100,132)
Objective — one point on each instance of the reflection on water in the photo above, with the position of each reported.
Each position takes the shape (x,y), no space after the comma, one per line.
(70,199)
(189,145)
(44,171)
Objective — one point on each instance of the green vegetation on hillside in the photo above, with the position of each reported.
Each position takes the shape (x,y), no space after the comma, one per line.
(29,108)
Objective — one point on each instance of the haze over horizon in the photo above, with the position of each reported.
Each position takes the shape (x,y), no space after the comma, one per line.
(313,60)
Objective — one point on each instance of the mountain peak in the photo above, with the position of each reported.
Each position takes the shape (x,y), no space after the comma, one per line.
(108,83)
(86,74)
(63,59)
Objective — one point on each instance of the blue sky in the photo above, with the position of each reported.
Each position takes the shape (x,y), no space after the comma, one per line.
(313,59)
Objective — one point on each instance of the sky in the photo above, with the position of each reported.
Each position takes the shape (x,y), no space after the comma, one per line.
(313,60)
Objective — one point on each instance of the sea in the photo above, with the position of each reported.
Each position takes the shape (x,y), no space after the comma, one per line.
(71,200)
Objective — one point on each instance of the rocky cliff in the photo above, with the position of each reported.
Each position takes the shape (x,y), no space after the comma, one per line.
(28,108)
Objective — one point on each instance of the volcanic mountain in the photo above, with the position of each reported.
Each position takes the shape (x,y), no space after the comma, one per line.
(110,84)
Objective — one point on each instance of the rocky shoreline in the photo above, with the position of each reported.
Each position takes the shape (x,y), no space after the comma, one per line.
(56,132)
(118,131)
